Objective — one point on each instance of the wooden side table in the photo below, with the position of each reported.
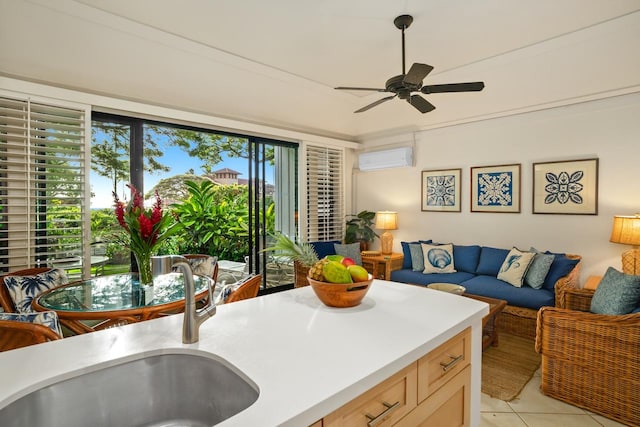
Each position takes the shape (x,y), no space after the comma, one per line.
(592,282)
(381,266)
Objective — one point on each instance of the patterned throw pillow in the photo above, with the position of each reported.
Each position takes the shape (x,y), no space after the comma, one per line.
(203,266)
(515,267)
(617,293)
(350,250)
(417,258)
(438,258)
(538,269)
(46,318)
(23,289)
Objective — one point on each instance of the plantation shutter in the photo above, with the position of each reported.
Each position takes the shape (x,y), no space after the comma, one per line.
(43,212)
(325,194)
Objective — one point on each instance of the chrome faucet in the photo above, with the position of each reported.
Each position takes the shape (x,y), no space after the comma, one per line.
(192,318)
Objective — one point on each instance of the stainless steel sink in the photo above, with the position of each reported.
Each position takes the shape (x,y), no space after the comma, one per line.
(175,389)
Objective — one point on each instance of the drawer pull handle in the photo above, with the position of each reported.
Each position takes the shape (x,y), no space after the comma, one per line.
(373,421)
(454,361)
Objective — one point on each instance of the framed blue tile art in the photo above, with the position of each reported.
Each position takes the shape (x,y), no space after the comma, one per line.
(566,187)
(441,190)
(495,188)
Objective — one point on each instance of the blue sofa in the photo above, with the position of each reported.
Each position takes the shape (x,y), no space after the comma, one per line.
(477,269)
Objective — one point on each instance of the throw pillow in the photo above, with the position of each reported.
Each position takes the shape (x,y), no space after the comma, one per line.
(617,293)
(515,266)
(438,258)
(23,289)
(46,318)
(538,269)
(417,258)
(351,250)
(560,267)
(491,260)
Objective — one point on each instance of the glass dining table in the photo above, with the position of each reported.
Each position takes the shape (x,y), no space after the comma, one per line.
(107,301)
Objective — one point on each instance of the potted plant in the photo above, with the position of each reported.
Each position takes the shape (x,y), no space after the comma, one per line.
(360,229)
(301,253)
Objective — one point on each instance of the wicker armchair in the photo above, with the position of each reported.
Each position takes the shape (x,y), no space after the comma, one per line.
(5,298)
(14,334)
(248,289)
(591,360)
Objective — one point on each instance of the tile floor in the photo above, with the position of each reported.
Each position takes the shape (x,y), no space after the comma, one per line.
(533,409)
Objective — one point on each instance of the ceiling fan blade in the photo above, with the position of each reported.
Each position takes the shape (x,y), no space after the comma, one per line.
(416,74)
(373,104)
(421,104)
(453,87)
(360,88)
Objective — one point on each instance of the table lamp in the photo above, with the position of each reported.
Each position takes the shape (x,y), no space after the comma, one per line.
(626,230)
(386,220)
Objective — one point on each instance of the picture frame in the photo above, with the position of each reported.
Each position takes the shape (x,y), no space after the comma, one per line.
(567,187)
(441,190)
(496,188)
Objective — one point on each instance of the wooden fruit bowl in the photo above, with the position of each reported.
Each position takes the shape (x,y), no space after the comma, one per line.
(340,295)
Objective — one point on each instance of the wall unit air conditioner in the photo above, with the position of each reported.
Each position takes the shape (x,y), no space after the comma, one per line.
(383,159)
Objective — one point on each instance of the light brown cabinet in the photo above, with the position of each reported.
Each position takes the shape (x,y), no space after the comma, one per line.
(435,390)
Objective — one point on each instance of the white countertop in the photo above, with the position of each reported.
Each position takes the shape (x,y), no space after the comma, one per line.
(306,358)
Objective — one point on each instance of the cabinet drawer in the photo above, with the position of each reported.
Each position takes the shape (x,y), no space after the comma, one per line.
(381,406)
(446,407)
(443,363)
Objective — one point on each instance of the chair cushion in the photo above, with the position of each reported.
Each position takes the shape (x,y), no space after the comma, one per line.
(617,293)
(23,289)
(46,318)
(438,258)
(350,250)
(515,267)
(491,260)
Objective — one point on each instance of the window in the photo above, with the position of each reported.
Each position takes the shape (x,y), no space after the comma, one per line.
(42,184)
(325,194)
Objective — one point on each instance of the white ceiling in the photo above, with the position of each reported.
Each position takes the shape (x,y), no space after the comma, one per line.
(276,62)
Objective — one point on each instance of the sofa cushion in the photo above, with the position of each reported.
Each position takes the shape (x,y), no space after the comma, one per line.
(418,278)
(538,269)
(524,296)
(465,258)
(438,258)
(515,267)
(324,248)
(617,293)
(417,258)
(560,267)
(491,260)
(406,252)
(349,250)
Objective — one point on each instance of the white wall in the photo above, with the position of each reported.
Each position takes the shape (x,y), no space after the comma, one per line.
(607,129)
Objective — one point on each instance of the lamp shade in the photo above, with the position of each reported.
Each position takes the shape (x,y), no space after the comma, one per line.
(386,220)
(626,230)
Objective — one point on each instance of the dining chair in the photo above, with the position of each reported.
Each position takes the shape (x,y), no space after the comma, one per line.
(247,289)
(21,330)
(205,265)
(8,305)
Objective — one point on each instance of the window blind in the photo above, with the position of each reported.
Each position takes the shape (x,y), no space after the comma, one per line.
(325,194)
(43,215)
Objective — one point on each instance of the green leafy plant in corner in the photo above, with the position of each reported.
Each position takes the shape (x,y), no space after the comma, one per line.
(360,228)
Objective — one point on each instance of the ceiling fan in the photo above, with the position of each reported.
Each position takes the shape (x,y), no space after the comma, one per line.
(403,85)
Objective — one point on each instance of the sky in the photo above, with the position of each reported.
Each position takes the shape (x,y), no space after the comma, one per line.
(176,159)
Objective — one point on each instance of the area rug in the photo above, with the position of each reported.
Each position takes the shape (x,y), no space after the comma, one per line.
(506,369)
